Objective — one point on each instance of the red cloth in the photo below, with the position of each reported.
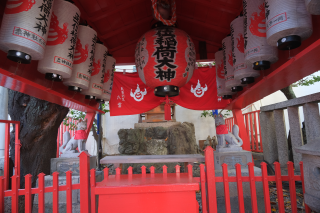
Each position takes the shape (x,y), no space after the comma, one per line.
(222,129)
(200,93)
(80,135)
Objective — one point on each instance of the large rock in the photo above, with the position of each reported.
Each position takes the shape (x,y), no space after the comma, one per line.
(156,147)
(130,140)
(182,139)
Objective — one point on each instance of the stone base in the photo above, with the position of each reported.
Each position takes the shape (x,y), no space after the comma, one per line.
(231,158)
(1,166)
(148,125)
(63,165)
(229,149)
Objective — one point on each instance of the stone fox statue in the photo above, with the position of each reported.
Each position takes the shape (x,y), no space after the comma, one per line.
(224,135)
(79,139)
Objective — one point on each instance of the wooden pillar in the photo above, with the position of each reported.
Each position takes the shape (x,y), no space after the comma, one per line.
(239,120)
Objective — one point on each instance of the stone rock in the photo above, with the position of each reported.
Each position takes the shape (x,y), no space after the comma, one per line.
(130,140)
(156,132)
(181,139)
(156,147)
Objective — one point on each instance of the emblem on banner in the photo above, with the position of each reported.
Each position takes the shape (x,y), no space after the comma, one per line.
(138,95)
(199,91)
(219,99)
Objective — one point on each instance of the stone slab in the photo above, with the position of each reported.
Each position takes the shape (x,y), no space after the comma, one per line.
(70,155)
(63,165)
(148,125)
(231,159)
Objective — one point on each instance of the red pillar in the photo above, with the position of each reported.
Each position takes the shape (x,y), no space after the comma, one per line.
(239,120)
(84,182)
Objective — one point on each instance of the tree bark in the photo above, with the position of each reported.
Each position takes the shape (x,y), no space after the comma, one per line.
(39,123)
(288,92)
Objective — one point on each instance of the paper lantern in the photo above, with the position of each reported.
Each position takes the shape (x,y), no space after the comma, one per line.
(221,88)
(58,56)
(24,29)
(165,59)
(258,53)
(83,59)
(242,72)
(313,7)
(108,78)
(97,75)
(231,83)
(288,23)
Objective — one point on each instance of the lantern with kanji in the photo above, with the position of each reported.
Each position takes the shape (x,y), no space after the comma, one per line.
(220,72)
(83,59)
(165,59)
(108,78)
(258,53)
(24,29)
(58,57)
(242,72)
(313,7)
(288,23)
(95,88)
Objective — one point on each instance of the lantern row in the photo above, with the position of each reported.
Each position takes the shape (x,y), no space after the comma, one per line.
(265,27)
(49,31)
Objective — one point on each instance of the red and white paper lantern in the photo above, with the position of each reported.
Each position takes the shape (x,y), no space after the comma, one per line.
(83,59)
(165,59)
(220,72)
(258,53)
(231,84)
(313,7)
(242,72)
(24,29)
(288,23)
(97,76)
(108,78)
(58,57)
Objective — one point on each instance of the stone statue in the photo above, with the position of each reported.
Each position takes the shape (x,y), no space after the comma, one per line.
(79,139)
(223,135)
(207,142)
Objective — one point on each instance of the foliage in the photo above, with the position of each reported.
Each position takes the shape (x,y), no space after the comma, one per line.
(209,113)
(307,81)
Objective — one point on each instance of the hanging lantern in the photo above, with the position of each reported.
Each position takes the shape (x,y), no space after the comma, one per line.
(221,87)
(242,72)
(313,7)
(231,83)
(257,51)
(97,76)
(165,59)
(24,29)
(108,78)
(58,56)
(288,23)
(83,59)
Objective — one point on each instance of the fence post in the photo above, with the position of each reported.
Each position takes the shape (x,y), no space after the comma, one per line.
(69,191)
(253,191)
(55,194)
(93,186)
(307,208)
(211,179)
(292,187)
(265,185)
(14,195)
(2,189)
(203,189)
(28,200)
(239,120)
(6,156)
(226,187)
(84,181)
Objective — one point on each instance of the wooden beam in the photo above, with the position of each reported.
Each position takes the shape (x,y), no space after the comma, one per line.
(213,6)
(209,42)
(123,45)
(84,15)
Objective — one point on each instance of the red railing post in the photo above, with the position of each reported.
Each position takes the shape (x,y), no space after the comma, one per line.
(292,186)
(251,135)
(307,209)
(106,173)
(265,184)
(240,188)
(256,131)
(261,147)
(253,188)
(69,191)
(93,186)
(6,156)
(41,193)
(28,194)
(14,195)
(279,187)
(84,181)
(55,193)
(238,118)
(211,179)
(2,194)
(226,187)
(203,189)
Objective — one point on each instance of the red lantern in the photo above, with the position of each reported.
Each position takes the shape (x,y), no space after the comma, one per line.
(165,59)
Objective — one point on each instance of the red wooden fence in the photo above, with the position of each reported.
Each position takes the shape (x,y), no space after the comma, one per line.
(252,123)
(207,179)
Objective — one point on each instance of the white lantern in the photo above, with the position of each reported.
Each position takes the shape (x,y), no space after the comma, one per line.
(288,23)
(24,29)
(83,59)
(313,6)
(242,72)
(58,57)
(258,53)
(97,75)
(231,83)
(221,87)
(108,77)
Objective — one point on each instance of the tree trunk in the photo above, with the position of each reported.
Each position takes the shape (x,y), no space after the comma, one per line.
(39,123)
(288,92)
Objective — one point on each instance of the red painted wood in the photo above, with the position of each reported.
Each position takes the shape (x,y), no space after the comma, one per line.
(28,195)
(130,170)
(93,186)
(177,168)
(247,126)
(261,147)
(2,188)
(41,193)
(203,189)
(17,153)
(279,187)
(226,188)
(190,170)
(152,168)
(143,170)
(253,188)
(14,196)
(292,187)
(238,117)
(256,131)
(106,173)
(307,208)
(251,133)
(69,191)
(265,185)
(240,188)
(84,181)
(55,193)
(211,183)
(6,155)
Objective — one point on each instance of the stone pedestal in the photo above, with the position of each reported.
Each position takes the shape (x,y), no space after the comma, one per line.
(231,159)
(64,164)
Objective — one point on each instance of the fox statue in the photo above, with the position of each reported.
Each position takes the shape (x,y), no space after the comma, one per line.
(223,135)
(79,140)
